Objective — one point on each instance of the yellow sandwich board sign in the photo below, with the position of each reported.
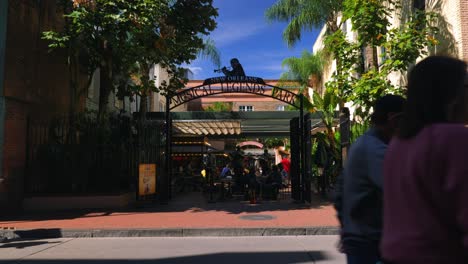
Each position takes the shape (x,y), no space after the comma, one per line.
(147,179)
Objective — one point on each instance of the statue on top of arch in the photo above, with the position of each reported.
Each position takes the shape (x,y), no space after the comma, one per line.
(237,69)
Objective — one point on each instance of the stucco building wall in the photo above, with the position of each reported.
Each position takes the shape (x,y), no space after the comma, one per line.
(464,28)
(454,14)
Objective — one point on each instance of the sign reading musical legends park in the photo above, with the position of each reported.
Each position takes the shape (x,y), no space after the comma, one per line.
(233,84)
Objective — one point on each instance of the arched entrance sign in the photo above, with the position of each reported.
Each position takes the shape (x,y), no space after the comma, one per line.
(234,84)
(300,126)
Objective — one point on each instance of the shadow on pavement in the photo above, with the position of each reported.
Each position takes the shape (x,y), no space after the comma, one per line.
(16,238)
(189,203)
(225,258)
(25,244)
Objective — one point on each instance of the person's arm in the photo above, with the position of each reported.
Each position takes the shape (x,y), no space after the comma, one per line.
(375,157)
(226,71)
(223,172)
(456,180)
(338,198)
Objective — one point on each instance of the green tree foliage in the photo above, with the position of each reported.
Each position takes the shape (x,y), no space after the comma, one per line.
(305,71)
(347,56)
(211,52)
(369,18)
(400,46)
(301,69)
(305,15)
(219,107)
(125,38)
(357,79)
(275,142)
(327,143)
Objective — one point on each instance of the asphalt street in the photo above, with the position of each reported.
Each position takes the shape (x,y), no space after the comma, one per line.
(157,250)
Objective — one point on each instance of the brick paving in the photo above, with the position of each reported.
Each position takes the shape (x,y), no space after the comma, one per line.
(190,211)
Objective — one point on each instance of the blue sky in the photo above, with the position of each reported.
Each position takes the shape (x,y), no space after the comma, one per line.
(244,33)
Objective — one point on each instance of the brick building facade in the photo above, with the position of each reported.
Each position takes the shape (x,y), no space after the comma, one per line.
(464,27)
(456,14)
(34,85)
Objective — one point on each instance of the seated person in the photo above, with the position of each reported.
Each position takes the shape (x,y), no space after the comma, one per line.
(273,183)
(284,174)
(238,179)
(225,172)
(251,179)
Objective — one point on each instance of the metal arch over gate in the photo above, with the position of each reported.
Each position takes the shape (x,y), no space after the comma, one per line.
(234,84)
(301,163)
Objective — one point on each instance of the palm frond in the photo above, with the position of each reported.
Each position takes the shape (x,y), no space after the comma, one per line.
(302,15)
(282,10)
(210,52)
(302,68)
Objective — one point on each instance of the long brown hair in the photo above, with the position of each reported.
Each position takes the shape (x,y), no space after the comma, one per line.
(433,84)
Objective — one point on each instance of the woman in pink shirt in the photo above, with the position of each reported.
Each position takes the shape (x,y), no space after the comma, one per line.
(426,169)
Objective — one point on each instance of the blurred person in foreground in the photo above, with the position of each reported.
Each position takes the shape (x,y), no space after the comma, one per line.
(426,169)
(359,196)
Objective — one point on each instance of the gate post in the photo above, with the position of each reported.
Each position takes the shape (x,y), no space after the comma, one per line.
(302,147)
(167,193)
(344,133)
(307,151)
(295,170)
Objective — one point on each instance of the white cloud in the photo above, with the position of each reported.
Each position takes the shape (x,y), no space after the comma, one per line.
(234,31)
(195,70)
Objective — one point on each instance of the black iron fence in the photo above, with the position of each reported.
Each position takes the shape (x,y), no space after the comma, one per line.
(83,156)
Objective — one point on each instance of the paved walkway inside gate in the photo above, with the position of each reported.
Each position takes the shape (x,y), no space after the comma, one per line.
(186,211)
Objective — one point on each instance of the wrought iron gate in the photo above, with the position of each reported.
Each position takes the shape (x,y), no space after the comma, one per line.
(95,158)
(295,171)
(307,159)
(301,158)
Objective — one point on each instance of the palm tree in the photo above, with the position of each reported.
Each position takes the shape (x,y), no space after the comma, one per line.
(210,52)
(328,155)
(305,70)
(305,15)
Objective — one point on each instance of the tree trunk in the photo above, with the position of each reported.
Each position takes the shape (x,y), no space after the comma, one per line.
(143,106)
(146,89)
(375,58)
(372,59)
(74,82)
(105,86)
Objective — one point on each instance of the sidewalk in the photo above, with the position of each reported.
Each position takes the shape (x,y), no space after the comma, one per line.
(163,250)
(187,213)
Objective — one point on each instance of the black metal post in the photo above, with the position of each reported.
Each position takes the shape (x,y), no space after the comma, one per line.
(209,175)
(302,147)
(344,133)
(168,127)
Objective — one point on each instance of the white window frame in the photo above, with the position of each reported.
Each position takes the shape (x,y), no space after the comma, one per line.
(280,108)
(246,108)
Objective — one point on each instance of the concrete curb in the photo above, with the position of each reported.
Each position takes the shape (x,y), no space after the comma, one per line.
(167,232)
